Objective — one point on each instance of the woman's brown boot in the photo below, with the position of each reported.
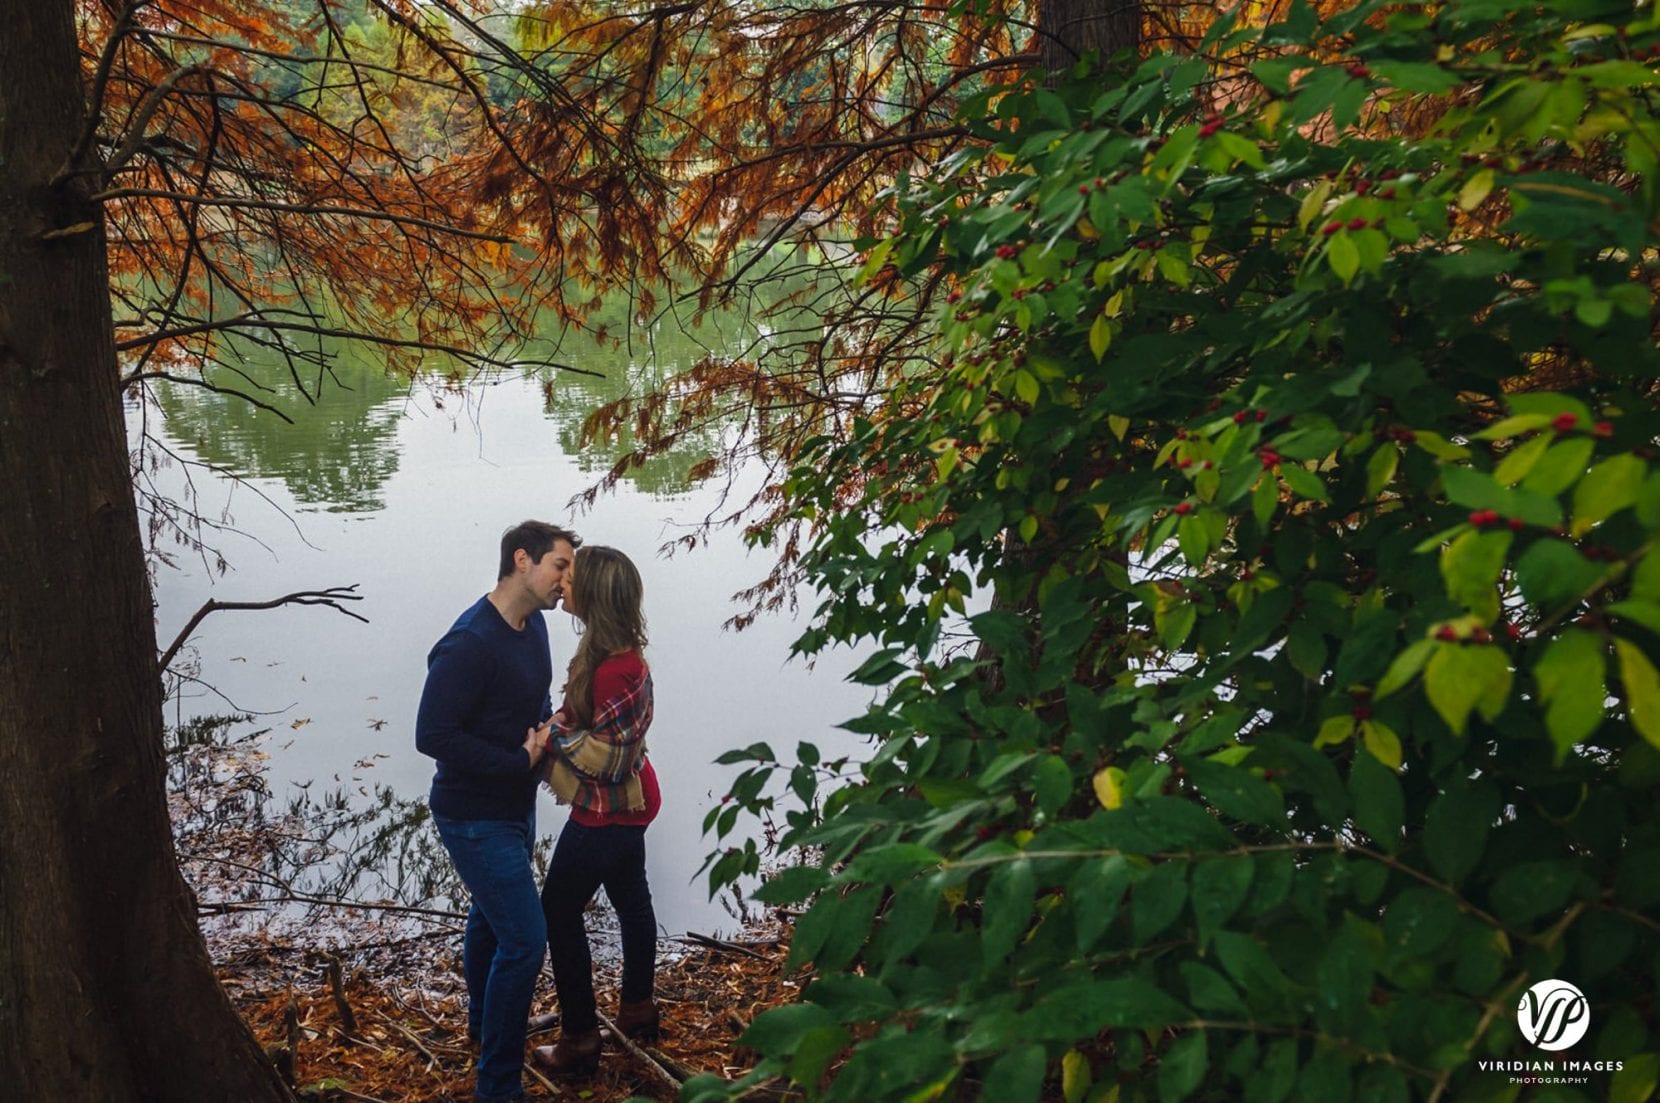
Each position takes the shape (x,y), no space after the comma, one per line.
(639,1021)
(572,1055)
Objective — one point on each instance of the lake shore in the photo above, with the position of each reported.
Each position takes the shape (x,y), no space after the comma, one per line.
(388,1022)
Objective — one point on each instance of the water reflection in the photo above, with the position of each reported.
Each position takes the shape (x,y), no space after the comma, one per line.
(341,447)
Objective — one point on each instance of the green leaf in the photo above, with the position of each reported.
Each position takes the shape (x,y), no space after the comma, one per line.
(1416,76)
(1471,566)
(1076,1076)
(792,885)
(1380,469)
(879,669)
(1209,990)
(1343,257)
(908,920)
(1478,490)
(1010,897)
(1553,571)
(1456,827)
(1265,499)
(1382,742)
(1306,648)
(1607,488)
(1051,783)
(1404,668)
(1157,899)
(1636,1079)
(851,997)
(1097,889)
(1642,689)
(1460,678)
(1561,467)
(1100,336)
(1418,922)
(1476,190)
(1570,679)
(1521,460)
(776,1031)
(1237,792)
(1380,807)
(889,864)
(814,1051)
(1645,613)
(1529,890)
(1219,887)
(1303,482)
(1182,1068)
(1016,1076)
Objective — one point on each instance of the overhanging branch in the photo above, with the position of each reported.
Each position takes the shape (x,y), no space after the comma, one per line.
(332,597)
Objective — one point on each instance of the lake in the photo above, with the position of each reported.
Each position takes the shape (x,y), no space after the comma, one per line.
(403,490)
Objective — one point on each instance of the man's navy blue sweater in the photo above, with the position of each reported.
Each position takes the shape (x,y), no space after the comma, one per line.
(487,684)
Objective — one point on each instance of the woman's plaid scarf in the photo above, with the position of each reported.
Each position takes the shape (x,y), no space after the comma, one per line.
(597,768)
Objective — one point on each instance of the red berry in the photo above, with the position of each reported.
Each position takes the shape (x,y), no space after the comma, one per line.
(1210,128)
(1363,712)
(1184,507)
(1481,635)
(1362,187)
(1262,415)
(1564,422)
(1516,524)
(1603,429)
(1387,193)
(1331,228)
(954,297)
(1357,223)
(1240,416)
(1269,457)
(1209,465)
(1359,71)
(1184,464)
(1446,632)
(1514,631)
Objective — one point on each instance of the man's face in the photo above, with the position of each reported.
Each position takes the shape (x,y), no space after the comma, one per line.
(545,579)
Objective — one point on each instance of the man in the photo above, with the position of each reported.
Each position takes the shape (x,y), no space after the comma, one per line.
(486,693)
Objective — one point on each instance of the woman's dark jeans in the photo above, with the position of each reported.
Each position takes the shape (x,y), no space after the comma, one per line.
(585,859)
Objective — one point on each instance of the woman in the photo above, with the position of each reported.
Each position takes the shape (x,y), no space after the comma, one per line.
(596,763)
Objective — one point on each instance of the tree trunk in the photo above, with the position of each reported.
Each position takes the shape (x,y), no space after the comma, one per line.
(1068,29)
(106,990)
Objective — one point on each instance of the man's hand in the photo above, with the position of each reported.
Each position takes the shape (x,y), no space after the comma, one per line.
(536,744)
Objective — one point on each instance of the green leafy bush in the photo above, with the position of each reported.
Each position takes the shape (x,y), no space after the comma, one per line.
(1302,425)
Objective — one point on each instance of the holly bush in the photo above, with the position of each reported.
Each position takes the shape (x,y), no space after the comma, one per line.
(1293,431)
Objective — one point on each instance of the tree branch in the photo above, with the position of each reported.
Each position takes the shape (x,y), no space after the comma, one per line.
(249,203)
(332,597)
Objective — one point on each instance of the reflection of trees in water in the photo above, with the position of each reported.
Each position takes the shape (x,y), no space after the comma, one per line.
(342,446)
(242,848)
(639,358)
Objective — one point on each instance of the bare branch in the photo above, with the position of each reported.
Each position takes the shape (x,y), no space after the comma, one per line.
(332,597)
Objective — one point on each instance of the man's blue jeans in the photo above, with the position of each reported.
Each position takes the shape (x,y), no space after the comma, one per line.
(506,938)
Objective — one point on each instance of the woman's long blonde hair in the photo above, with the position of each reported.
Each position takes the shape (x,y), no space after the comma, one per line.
(608,594)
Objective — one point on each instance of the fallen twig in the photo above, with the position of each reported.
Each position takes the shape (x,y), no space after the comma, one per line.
(629,1044)
(708,942)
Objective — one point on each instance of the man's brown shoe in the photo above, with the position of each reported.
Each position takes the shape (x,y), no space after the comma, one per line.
(572,1055)
(639,1021)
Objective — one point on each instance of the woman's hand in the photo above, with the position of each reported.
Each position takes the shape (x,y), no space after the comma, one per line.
(536,744)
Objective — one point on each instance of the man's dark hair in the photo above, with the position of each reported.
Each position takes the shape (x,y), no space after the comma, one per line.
(537,538)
